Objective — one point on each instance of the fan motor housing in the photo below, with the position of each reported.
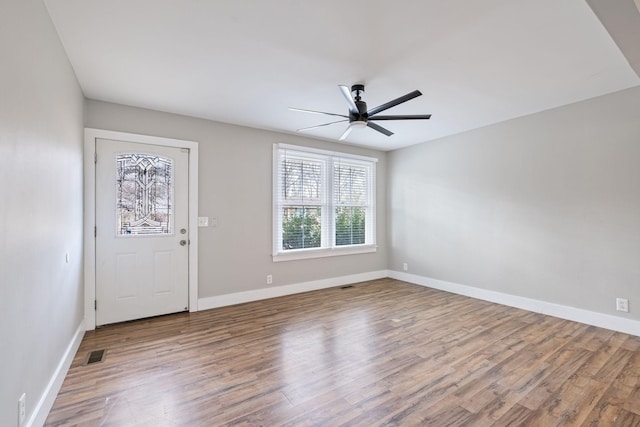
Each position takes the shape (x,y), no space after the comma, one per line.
(362,109)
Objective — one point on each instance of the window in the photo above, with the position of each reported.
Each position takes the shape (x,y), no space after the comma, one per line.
(143,193)
(324,203)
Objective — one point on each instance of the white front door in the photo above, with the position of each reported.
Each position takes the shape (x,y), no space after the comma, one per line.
(142,240)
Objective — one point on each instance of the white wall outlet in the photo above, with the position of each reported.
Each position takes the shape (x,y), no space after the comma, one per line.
(269,279)
(405,266)
(203,221)
(22,409)
(622,304)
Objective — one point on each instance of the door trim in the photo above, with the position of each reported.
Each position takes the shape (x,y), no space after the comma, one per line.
(90,136)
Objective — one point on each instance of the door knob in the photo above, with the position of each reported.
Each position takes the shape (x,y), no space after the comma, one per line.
(183,242)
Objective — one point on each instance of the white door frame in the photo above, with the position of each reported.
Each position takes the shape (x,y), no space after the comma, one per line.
(90,136)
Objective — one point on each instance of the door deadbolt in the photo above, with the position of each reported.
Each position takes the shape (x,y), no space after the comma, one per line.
(183,231)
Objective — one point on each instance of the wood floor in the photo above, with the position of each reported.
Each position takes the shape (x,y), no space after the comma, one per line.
(380,353)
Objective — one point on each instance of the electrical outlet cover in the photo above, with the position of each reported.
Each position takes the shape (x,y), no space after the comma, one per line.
(622,304)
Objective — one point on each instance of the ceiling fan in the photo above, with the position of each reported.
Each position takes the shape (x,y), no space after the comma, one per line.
(359,116)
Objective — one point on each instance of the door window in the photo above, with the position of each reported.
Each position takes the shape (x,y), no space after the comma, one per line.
(144,195)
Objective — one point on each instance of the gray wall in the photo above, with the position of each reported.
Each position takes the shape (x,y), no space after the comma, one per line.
(235,174)
(545,206)
(40,204)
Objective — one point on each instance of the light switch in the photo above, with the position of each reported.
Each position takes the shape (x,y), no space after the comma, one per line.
(203,221)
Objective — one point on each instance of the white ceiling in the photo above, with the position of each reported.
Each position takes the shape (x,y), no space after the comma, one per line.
(245,62)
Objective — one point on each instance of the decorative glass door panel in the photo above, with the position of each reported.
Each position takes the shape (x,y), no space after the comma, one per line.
(144,194)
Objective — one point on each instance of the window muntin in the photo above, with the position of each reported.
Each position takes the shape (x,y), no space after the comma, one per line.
(323,202)
(144,195)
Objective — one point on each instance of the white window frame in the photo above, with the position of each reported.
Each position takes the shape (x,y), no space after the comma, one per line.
(328,246)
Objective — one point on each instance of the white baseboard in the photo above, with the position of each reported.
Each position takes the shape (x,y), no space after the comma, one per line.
(41,410)
(593,318)
(278,291)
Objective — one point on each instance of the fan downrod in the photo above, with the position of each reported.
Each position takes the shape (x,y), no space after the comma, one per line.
(361,114)
(357,89)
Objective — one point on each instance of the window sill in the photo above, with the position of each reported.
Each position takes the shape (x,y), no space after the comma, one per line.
(321,253)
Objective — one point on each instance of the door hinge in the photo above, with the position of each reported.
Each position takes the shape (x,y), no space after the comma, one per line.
(95,158)
(95,304)
(95,231)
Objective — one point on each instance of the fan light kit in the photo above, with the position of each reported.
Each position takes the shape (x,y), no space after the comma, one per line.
(360,117)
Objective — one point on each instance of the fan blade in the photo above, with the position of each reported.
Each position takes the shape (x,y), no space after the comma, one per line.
(346,133)
(317,112)
(346,92)
(319,126)
(395,102)
(403,117)
(379,128)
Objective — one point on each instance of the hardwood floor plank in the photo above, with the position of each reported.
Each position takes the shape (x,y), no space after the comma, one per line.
(449,415)
(614,365)
(627,419)
(565,362)
(517,415)
(609,406)
(379,353)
